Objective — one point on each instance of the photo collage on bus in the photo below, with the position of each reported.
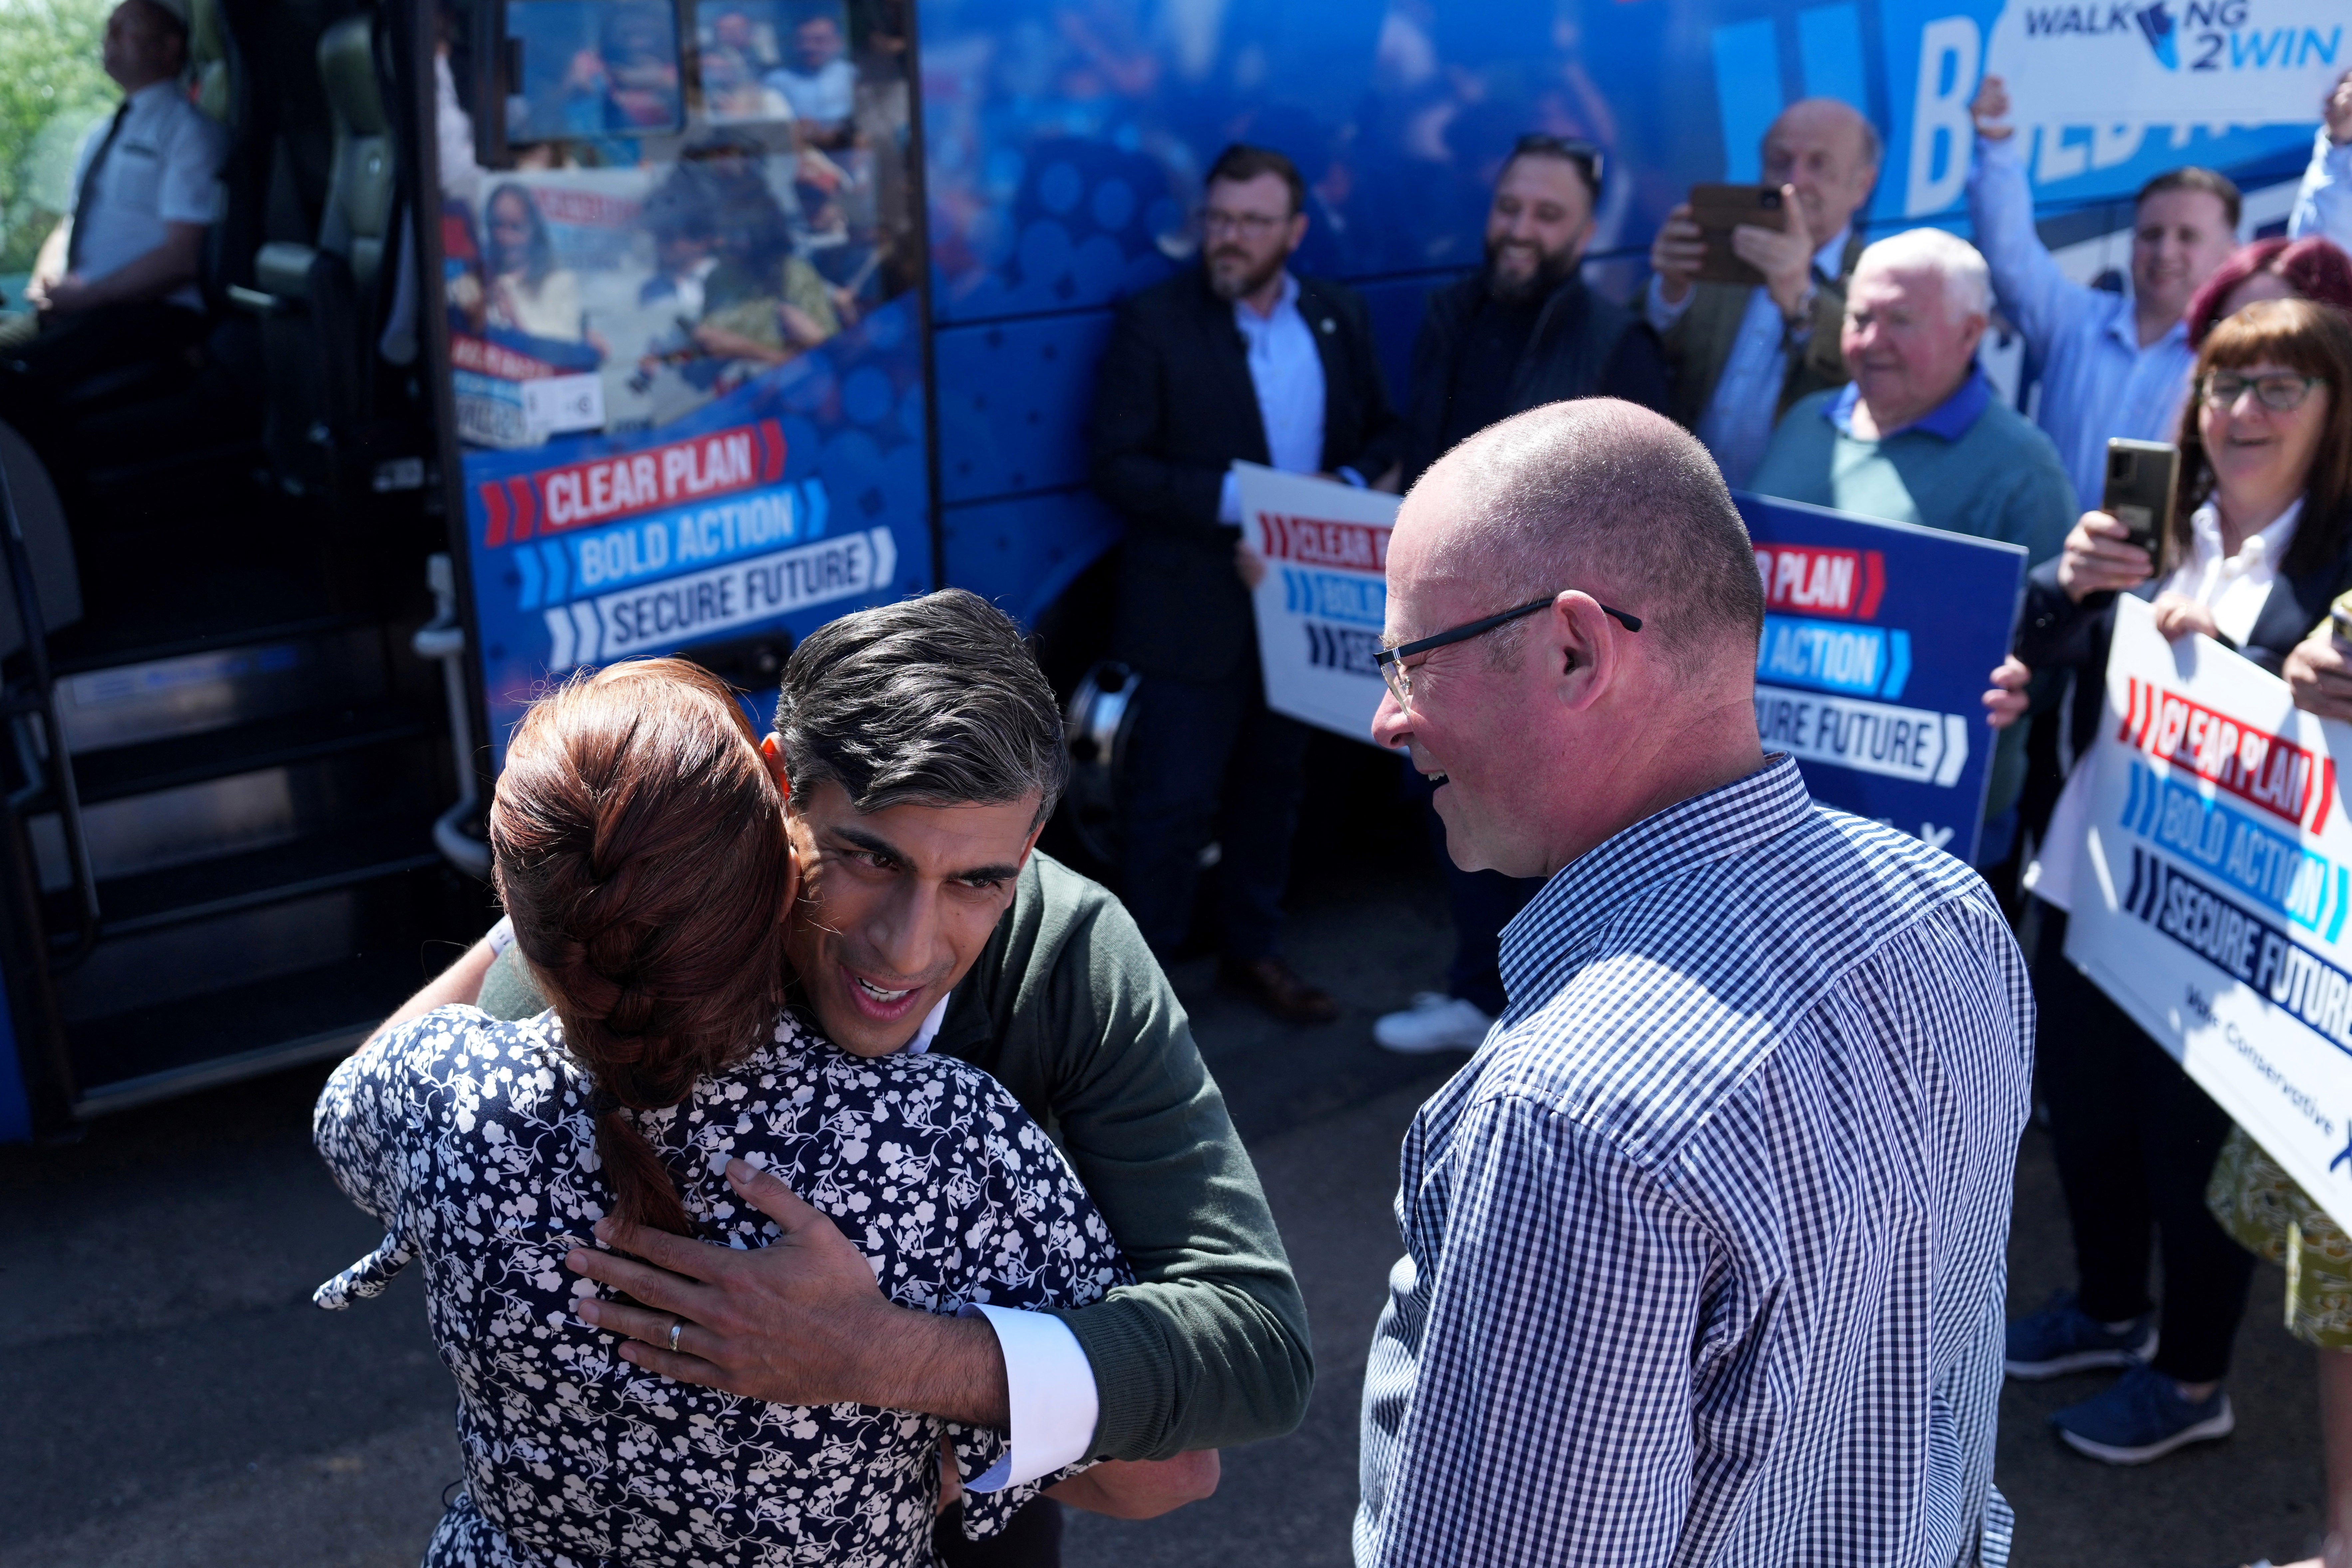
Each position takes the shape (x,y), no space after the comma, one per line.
(679,274)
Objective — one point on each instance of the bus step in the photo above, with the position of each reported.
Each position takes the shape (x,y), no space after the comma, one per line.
(192,693)
(133,1059)
(319,863)
(125,771)
(258,943)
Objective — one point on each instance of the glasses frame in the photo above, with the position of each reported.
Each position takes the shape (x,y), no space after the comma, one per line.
(2253,384)
(1250,225)
(1399,679)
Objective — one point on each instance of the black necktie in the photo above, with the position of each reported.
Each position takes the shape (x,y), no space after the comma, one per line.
(88,187)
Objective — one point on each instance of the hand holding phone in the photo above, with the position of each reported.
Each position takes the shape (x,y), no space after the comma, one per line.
(2142,479)
(1719,209)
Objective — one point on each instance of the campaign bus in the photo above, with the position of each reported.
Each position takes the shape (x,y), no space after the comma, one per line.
(542,333)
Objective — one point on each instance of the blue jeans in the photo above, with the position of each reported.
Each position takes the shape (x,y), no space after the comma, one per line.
(1208,760)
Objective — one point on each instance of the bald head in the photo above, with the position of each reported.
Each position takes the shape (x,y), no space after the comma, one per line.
(1829,152)
(1546,734)
(1597,494)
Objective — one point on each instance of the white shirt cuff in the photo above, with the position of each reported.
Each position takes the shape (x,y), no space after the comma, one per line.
(1658,311)
(1051,1389)
(1229,498)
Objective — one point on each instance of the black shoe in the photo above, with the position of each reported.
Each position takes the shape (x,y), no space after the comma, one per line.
(1275,986)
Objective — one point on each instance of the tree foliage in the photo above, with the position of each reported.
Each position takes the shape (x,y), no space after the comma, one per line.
(51,88)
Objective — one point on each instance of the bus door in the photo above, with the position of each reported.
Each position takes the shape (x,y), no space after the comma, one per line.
(680,322)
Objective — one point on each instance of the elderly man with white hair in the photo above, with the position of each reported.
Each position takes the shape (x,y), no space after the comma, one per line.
(1704,1248)
(1917,436)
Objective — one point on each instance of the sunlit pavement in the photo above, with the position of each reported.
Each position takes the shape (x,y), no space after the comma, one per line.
(172,1398)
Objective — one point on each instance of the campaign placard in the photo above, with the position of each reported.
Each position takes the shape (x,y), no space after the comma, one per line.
(756,514)
(2210,894)
(1879,640)
(1324,595)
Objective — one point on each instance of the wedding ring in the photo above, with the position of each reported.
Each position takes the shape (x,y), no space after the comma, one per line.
(675,1324)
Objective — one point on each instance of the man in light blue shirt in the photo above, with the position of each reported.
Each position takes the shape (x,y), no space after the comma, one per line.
(2323,206)
(2111,364)
(1742,354)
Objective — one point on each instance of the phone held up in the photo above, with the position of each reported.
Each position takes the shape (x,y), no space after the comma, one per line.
(1719,209)
(2142,476)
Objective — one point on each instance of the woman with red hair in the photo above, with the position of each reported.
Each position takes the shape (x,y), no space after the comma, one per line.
(2313,269)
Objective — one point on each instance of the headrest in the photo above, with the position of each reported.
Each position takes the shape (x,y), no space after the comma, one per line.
(347,69)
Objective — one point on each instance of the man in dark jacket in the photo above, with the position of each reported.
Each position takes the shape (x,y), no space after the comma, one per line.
(1238,360)
(1522,330)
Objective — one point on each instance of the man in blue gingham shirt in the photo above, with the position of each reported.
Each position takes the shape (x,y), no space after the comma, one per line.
(1705,1248)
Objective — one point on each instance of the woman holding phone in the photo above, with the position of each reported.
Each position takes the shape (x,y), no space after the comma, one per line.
(639,845)
(2258,545)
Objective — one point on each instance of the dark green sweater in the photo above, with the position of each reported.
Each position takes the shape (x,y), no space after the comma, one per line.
(1068,1009)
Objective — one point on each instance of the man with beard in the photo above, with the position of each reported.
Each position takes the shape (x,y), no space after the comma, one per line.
(1524,331)
(1239,360)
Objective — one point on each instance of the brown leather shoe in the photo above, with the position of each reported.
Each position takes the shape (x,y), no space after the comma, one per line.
(1276,986)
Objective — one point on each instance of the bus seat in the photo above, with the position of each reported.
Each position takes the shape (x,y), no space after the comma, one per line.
(208,47)
(363,183)
(57,586)
(322,303)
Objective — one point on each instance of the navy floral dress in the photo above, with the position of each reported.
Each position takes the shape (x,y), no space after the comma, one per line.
(470,1139)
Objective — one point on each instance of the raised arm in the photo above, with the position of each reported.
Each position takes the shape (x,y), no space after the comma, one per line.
(2031,290)
(460,983)
(1546,1415)
(2323,206)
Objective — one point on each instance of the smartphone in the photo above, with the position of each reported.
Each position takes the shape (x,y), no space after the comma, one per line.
(1719,209)
(2141,479)
(2339,616)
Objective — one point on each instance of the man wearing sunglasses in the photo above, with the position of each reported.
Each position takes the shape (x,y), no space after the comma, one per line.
(1521,331)
(1705,1247)
(1238,357)
(1524,330)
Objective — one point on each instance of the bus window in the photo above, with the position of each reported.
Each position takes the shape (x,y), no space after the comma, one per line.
(685,354)
(591,68)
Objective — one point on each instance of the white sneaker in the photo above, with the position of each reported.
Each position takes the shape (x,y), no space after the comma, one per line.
(1436,1022)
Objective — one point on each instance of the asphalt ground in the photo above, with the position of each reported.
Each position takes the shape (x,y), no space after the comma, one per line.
(168,1396)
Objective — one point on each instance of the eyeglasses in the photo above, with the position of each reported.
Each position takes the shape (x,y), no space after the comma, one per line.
(1400,678)
(1250,225)
(2281,394)
(1589,159)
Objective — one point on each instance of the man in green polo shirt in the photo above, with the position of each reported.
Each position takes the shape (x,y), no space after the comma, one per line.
(921,752)
(1917,436)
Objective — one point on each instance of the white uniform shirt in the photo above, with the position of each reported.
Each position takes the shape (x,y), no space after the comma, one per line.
(163,168)
(827,94)
(2234,588)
